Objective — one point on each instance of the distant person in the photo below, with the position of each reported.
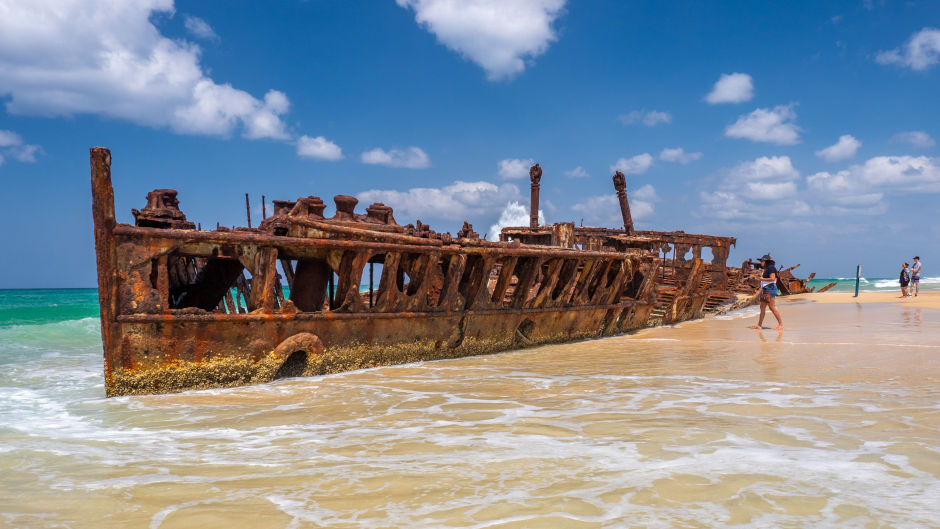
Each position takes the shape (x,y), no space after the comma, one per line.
(904,279)
(915,276)
(768,292)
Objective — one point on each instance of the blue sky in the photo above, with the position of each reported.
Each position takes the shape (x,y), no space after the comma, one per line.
(803,128)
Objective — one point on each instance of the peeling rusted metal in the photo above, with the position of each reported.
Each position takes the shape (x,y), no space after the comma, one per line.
(183,308)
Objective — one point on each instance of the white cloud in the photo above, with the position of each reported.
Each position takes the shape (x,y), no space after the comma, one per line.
(500,36)
(764,179)
(763,168)
(412,158)
(917,138)
(728,205)
(731,88)
(577,172)
(762,188)
(898,175)
(767,188)
(920,52)
(679,155)
(11,145)
(25,153)
(646,193)
(66,57)
(318,148)
(774,125)
(636,165)
(199,28)
(514,168)
(514,214)
(843,149)
(649,118)
(456,202)
(604,210)
(8,138)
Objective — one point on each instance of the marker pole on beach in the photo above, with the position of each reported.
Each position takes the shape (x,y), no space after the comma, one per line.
(858,275)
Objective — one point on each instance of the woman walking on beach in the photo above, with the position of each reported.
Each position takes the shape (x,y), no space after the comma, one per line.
(904,279)
(768,292)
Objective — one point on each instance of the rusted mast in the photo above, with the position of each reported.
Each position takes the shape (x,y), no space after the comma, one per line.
(535,175)
(620,184)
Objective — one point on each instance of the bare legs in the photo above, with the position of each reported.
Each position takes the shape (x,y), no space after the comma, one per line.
(763,311)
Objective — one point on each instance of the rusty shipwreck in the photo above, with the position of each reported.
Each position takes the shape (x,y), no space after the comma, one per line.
(185,308)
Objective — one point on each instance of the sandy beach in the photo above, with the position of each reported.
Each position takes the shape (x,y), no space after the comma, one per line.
(928,299)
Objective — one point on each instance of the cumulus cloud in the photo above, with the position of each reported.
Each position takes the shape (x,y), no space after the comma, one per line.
(917,138)
(765,178)
(514,168)
(649,118)
(882,174)
(764,187)
(199,28)
(318,148)
(731,88)
(604,210)
(66,57)
(679,155)
(513,215)
(635,165)
(456,202)
(9,138)
(771,125)
(729,205)
(12,146)
(645,193)
(577,172)
(411,158)
(843,149)
(920,52)
(502,37)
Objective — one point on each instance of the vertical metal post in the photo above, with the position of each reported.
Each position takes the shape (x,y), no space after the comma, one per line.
(620,185)
(264,208)
(370,283)
(535,175)
(858,277)
(248,209)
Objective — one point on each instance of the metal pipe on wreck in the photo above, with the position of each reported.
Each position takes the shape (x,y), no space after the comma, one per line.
(248,209)
(535,175)
(620,184)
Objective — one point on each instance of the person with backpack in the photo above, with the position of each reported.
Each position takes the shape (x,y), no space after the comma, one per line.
(768,292)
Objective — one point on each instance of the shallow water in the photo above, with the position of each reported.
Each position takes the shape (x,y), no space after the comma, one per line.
(833,423)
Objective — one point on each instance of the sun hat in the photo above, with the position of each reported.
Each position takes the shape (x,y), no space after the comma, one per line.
(766,257)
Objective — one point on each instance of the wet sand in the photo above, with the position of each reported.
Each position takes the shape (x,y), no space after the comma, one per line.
(831,423)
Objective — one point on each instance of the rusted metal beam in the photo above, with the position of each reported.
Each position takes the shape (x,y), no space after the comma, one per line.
(620,184)
(535,175)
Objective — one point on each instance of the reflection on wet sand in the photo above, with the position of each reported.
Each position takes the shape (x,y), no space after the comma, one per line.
(706,424)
